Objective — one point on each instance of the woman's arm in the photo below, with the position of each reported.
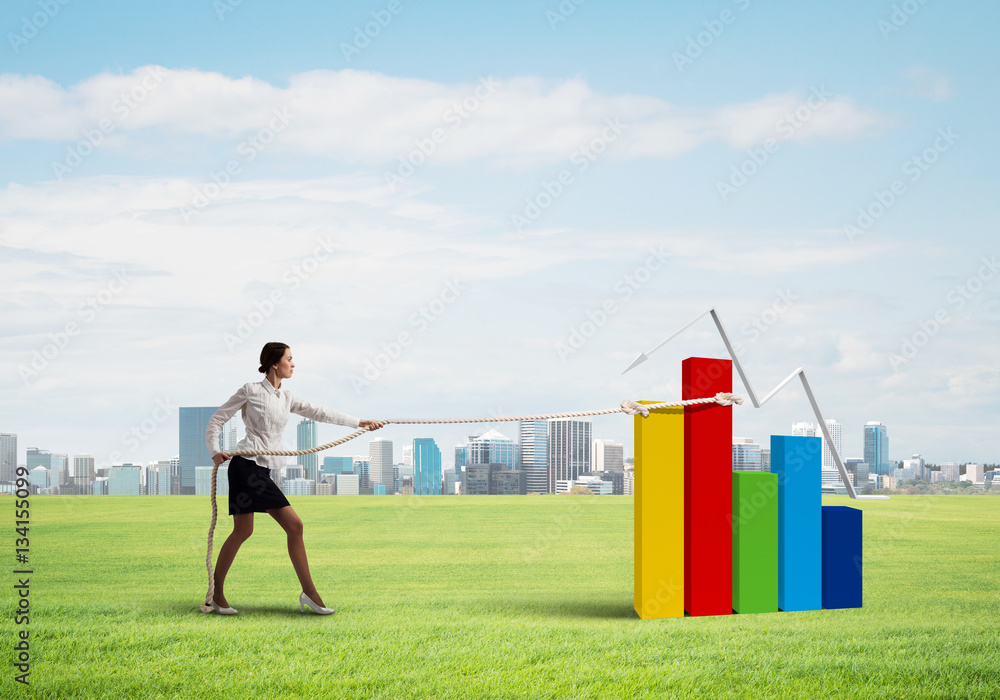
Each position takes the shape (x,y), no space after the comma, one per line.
(324,415)
(219,418)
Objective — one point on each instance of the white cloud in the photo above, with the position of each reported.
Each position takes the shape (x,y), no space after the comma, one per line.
(366,117)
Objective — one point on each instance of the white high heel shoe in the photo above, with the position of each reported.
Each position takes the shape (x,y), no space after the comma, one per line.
(305,600)
(223,611)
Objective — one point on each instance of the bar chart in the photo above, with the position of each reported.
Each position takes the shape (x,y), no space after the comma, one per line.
(713,541)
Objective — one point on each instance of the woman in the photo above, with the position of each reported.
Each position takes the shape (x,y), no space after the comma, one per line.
(265,407)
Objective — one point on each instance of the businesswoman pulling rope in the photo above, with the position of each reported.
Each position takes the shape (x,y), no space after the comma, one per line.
(265,407)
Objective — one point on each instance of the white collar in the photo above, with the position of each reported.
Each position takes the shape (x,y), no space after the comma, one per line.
(270,387)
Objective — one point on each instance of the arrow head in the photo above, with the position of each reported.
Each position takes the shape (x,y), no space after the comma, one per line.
(637,361)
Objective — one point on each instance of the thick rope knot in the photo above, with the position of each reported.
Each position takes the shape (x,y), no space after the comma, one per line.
(632,408)
(725,399)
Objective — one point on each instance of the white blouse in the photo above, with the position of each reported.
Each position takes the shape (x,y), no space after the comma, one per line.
(265,413)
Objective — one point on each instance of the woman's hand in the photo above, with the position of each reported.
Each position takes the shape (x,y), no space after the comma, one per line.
(220,457)
(371,424)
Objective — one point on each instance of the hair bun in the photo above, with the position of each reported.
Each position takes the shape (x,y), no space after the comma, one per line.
(262,370)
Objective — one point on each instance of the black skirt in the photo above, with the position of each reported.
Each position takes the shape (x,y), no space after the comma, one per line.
(251,489)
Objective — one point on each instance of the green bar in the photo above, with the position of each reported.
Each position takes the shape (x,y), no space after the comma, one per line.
(755,542)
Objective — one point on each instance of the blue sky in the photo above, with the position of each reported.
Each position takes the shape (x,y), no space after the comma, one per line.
(823,108)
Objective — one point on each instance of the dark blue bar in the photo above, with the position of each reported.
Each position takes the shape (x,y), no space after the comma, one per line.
(797,462)
(841,557)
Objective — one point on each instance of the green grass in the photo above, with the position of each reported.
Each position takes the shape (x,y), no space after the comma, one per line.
(483,597)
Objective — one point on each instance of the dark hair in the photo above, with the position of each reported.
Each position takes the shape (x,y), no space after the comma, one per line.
(270,356)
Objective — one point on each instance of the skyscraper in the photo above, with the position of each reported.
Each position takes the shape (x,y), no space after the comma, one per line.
(459,460)
(534,455)
(877,448)
(608,456)
(335,464)
(306,439)
(426,467)
(837,433)
(83,473)
(193,422)
(804,429)
(8,457)
(380,462)
(569,450)
(746,455)
(492,447)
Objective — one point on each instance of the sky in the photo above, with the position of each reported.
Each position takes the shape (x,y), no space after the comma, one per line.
(454,210)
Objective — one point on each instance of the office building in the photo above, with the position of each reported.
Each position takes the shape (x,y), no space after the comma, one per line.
(347,484)
(974,473)
(338,465)
(8,457)
(837,433)
(950,471)
(380,463)
(569,449)
(193,424)
(803,429)
(459,461)
(746,455)
(509,482)
(426,467)
(300,487)
(408,455)
(608,456)
(38,458)
(40,478)
(492,447)
(765,459)
(361,466)
(916,463)
(597,486)
(450,481)
(125,480)
(203,480)
(534,455)
(877,448)
(305,438)
(628,481)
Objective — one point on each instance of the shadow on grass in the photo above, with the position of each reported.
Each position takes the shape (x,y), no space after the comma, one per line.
(245,610)
(602,609)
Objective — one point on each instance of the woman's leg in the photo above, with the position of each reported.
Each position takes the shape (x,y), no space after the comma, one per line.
(291,523)
(242,529)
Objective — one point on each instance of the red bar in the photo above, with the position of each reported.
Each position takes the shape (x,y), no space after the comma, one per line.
(708,488)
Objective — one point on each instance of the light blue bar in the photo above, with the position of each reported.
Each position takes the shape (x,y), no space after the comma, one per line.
(798,463)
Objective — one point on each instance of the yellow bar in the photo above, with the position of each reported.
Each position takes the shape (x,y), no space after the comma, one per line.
(659,513)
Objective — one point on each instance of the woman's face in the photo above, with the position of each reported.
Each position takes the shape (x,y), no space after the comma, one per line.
(284,369)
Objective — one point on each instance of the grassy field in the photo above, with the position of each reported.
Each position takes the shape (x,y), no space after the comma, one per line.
(483,597)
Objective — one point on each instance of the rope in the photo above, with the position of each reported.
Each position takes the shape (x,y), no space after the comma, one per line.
(629,407)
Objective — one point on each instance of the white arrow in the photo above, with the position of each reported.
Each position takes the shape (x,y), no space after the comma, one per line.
(844,476)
